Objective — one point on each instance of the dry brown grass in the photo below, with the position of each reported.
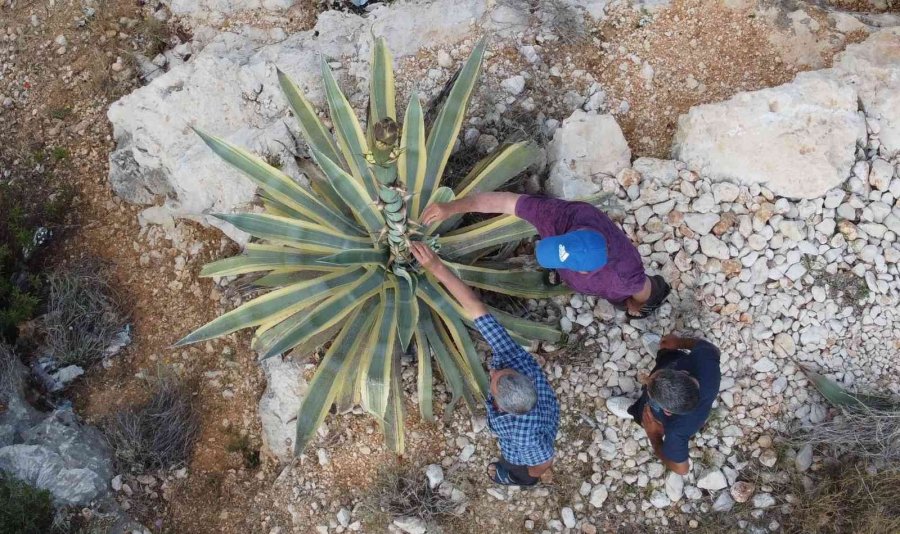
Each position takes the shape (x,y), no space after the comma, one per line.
(849,498)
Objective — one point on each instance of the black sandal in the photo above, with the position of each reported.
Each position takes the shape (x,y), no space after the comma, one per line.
(654,302)
(501,475)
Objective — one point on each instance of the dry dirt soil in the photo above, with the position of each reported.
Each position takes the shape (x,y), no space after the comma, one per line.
(58,117)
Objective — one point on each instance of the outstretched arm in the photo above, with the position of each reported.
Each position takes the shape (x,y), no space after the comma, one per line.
(504,203)
(432,263)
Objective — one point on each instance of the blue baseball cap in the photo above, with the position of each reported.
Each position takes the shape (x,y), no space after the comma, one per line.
(581,250)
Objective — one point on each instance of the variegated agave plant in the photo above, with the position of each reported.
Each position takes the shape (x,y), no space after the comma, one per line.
(339,264)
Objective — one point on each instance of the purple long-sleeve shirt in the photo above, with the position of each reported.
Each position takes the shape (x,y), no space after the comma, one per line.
(621,277)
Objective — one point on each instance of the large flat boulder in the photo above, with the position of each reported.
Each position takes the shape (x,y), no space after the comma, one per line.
(62,456)
(873,69)
(584,150)
(799,139)
(230,89)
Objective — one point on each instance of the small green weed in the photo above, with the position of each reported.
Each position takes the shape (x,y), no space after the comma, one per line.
(60,153)
(25,509)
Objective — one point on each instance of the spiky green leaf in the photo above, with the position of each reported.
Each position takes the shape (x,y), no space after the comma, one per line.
(291,231)
(260,309)
(326,382)
(354,194)
(445,130)
(349,134)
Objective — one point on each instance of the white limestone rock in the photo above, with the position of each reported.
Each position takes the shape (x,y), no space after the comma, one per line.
(872,68)
(586,148)
(725,140)
(712,480)
(230,89)
(285,389)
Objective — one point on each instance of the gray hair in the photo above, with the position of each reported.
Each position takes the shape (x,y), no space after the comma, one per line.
(515,394)
(674,390)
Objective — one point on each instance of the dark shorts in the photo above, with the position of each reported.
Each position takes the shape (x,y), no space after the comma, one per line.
(659,291)
(519,473)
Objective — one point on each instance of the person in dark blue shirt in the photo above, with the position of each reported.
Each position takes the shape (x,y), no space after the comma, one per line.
(522,410)
(676,398)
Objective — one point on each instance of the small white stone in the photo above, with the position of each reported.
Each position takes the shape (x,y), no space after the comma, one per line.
(444,59)
(764,365)
(712,480)
(568,517)
(763,500)
(674,486)
(435,475)
(514,85)
(659,499)
(598,496)
(804,458)
(724,502)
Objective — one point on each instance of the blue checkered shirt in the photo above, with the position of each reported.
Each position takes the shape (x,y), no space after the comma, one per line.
(525,439)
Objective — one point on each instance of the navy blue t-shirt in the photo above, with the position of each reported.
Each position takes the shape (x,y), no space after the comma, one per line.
(702,363)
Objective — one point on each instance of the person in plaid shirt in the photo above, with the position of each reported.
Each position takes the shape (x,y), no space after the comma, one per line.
(522,409)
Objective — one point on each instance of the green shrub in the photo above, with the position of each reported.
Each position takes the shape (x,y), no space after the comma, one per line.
(31,209)
(24,509)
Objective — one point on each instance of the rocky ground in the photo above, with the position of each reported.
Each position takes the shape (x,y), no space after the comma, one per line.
(777,274)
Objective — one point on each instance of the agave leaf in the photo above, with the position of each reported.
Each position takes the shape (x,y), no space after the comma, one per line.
(446,127)
(381,84)
(424,380)
(284,278)
(362,256)
(274,207)
(463,354)
(408,306)
(393,426)
(348,394)
(291,231)
(523,331)
(515,282)
(412,162)
(261,308)
(327,380)
(381,354)
(320,185)
(841,398)
(500,167)
(278,185)
(447,364)
(353,193)
(258,257)
(314,132)
(327,313)
(443,306)
(349,134)
(483,235)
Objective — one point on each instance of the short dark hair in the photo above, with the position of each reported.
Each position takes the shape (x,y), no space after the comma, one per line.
(516,393)
(674,390)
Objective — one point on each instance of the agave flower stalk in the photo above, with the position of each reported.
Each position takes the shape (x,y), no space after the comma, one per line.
(337,257)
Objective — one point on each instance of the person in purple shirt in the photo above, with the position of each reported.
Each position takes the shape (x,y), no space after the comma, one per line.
(590,252)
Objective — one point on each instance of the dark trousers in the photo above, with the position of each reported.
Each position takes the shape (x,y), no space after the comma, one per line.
(519,473)
(659,290)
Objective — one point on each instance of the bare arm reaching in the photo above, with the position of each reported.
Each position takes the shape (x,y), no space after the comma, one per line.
(504,203)
(432,263)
